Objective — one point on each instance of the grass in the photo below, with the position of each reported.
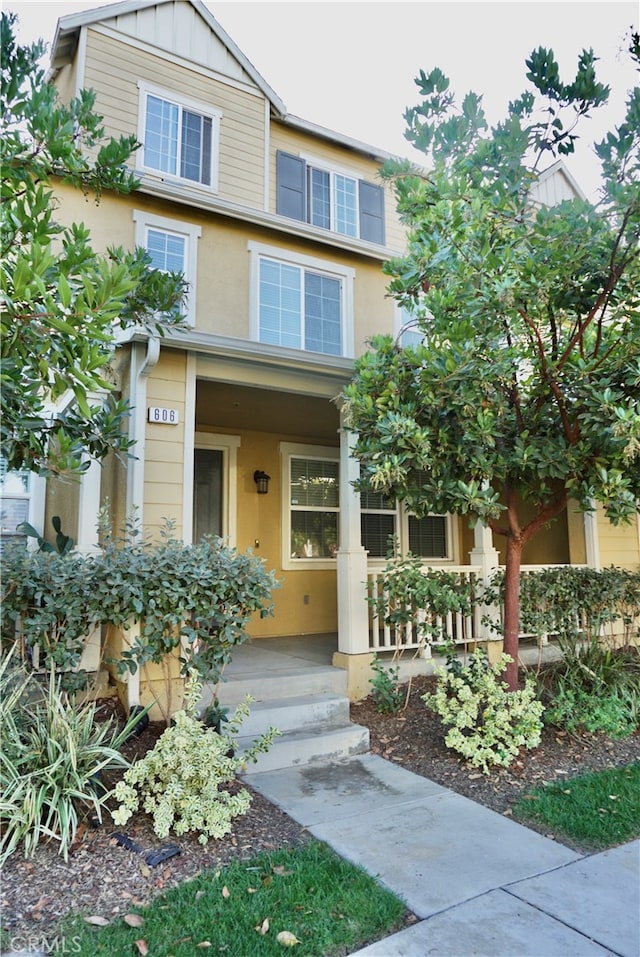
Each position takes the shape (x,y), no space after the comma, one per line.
(599,809)
(329,905)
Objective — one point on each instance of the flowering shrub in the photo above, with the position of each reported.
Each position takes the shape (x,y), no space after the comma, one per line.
(178,782)
(488,724)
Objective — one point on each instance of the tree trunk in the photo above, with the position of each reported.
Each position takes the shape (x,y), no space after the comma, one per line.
(512,607)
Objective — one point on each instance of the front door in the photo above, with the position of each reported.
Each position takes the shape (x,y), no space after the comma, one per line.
(207,493)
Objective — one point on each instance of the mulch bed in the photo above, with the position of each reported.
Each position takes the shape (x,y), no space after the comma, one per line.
(103,878)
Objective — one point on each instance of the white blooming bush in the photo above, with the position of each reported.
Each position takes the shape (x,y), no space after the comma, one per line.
(179,783)
(487,723)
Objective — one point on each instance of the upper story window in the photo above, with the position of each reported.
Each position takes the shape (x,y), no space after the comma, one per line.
(300,302)
(314,193)
(172,246)
(180,137)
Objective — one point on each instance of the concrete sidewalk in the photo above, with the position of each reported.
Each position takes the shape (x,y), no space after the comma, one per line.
(479,883)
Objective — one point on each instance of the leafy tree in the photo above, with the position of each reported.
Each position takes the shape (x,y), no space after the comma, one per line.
(525,390)
(62,301)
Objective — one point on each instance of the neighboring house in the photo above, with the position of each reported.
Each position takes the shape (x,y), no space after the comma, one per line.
(281,228)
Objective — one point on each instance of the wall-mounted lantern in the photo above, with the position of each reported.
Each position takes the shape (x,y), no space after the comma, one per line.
(262,481)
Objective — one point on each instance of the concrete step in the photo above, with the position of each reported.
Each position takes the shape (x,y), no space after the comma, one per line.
(297,714)
(299,747)
(269,686)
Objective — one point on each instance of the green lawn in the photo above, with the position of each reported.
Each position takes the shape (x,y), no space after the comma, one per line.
(599,809)
(330,906)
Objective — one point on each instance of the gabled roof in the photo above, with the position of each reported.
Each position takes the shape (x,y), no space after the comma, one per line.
(68,31)
(559,170)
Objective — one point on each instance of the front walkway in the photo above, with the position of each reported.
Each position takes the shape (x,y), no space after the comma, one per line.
(479,883)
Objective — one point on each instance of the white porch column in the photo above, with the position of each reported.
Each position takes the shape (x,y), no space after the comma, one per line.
(89,507)
(353,613)
(483,552)
(484,555)
(591,538)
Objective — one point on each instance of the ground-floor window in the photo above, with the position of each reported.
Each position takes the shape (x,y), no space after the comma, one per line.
(311,504)
(382,521)
(21,500)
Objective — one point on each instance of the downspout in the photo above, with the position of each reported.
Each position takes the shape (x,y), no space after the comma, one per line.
(141,369)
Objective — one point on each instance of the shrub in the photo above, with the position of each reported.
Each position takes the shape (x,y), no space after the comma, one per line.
(487,724)
(575,603)
(200,596)
(53,753)
(195,596)
(48,599)
(594,687)
(385,689)
(179,782)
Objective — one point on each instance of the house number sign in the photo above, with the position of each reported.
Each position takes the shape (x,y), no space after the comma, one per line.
(162,416)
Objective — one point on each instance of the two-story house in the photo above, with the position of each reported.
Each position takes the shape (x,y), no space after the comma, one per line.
(281,228)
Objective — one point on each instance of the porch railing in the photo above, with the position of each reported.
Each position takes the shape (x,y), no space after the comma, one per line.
(452,627)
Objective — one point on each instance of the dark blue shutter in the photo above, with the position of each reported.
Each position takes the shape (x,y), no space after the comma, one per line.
(371,212)
(290,193)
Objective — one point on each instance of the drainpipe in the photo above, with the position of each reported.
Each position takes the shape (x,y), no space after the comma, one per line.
(142,364)
(141,369)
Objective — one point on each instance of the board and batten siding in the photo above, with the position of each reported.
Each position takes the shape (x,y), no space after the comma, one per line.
(113,71)
(177,27)
(164,444)
(297,143)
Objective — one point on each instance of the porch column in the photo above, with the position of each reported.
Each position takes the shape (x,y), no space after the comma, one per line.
(353,613)
(484,555)
(591,538)
(89,507)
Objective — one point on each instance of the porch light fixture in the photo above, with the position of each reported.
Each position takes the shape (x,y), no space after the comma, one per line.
(262,481)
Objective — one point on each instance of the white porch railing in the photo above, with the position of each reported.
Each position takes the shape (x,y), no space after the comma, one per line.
(453,626)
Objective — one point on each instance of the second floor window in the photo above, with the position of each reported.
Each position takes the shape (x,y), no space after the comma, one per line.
(300,308)
(172,246)
(179,139)
(299,302)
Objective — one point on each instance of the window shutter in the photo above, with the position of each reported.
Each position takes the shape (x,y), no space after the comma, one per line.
(290,192)
(371,212)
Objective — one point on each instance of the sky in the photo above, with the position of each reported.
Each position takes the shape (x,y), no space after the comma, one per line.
(351,66)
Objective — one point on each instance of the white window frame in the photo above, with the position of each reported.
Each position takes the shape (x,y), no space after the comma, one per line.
(323,166)
(193,106)
(408,335)
(402,516)
(333,270)
(34,495)
(289,451)
(190,233)
(228,445)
